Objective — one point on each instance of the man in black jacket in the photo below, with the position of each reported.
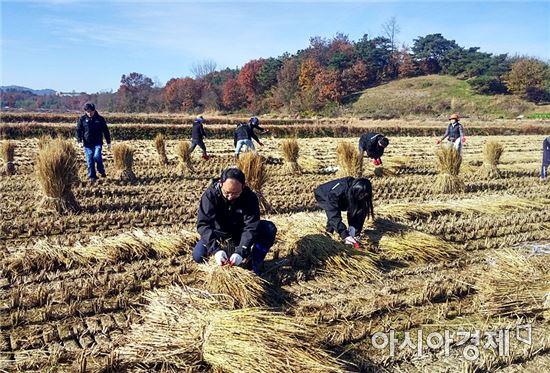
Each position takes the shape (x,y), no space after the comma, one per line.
(90,130)
(374,144)
(244,136)
(545,159)
(229,211)
(254,123)
(197,136)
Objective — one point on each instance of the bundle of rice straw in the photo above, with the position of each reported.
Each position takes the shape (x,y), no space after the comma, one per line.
(516,284)
(416,247)
(302,237)
(183,151)
(492,151)
(448,163)
(187,328)
(390,167)
(244,287)
(347,157)
(43,141)
(136,245)
(254,169)
(56,169)
(7,153)
(291,151)
(124,161)
(161,148)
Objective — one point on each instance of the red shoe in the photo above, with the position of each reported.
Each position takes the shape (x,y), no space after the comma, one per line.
(205,157)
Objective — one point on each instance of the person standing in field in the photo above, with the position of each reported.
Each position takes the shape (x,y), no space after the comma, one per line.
(454,133)
(374,144)
(244,136)
(229,211)
(197,136)
(90,130)
(346,194)
(545,159)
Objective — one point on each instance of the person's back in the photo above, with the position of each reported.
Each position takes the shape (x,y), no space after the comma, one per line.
(243,132)
(545,158)
(197,130)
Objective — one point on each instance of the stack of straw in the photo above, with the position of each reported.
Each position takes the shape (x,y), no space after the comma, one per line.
(291,151)
(161,148)
(516,285)
(254,168)
(124,161)
(56,170)
(492,151)
(7,153)
(186,328)
(183,151)
(448,162)
(347,157)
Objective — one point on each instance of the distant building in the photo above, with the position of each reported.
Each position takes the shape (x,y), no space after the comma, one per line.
(70,94)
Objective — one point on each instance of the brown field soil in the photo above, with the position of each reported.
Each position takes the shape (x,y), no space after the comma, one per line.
(61,310)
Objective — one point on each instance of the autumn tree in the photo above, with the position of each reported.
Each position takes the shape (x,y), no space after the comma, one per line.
(407,67)
(526,74)
(284,93)
(329,85)
(133,93)
(234,97)
(182,94)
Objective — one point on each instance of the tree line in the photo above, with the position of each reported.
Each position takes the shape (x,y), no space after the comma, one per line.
(317,79)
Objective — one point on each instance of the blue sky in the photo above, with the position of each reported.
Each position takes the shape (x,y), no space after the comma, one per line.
(88,45)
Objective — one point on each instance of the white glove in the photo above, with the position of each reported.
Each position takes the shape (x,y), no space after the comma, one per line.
(349,240)
(352,231)
(236,259)
(109,147)
(221,257)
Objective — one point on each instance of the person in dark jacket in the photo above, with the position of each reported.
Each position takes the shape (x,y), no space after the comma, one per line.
(244,136)
(454,133)
(90,130)
(374,144)
(346,194)
(254,123)
(545,159)
(229,211)
(197,136)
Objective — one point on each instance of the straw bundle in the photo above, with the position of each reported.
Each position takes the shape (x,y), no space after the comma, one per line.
(56,170)
(391,166)
(516,285)
(7,153)
(124,161)
(43,141)
(183,151)
(416,247)
(254,169)
(448,162)
(135,245)
(291,151)
(244,287)
(492,151)
(302,237)
(161,148)
(347,157)
(186,328)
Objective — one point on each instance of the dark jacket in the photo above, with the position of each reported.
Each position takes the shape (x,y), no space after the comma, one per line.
(369,143)
(454,131)
(197,131)
(546,151)
(220,220)
(91,130)
(255,124)
(244,132)
(333,198)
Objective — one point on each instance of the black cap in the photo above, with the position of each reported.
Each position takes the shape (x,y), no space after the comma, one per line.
(89,106)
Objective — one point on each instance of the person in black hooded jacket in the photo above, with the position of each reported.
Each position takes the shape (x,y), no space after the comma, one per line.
(346,194)
(197,136)
(229,211)
(374,144)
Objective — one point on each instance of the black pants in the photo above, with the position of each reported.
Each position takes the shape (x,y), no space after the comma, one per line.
(200,143)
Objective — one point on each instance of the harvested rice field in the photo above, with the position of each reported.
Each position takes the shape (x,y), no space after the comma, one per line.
(451,276)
